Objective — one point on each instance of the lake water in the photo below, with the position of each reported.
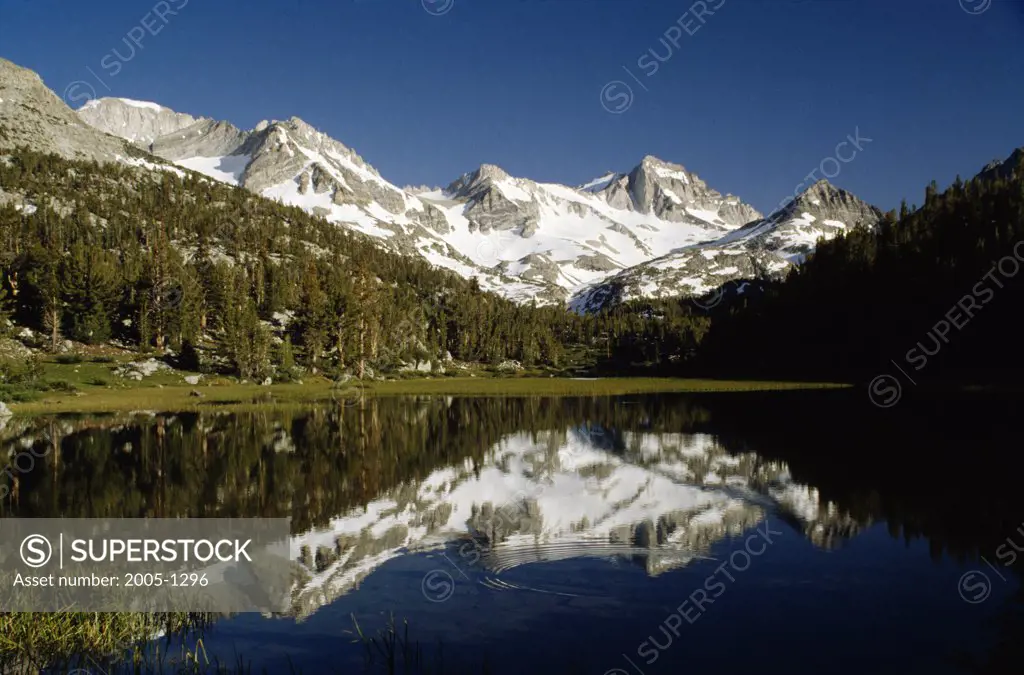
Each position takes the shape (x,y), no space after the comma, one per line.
(777,533)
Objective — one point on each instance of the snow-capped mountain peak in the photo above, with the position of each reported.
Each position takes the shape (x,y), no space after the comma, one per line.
(766,247)
(113,101)
(486,177)
(527,240)
(671,193)
(599,183)
(140,122)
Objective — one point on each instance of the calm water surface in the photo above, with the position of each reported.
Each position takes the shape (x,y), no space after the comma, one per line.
(783,533)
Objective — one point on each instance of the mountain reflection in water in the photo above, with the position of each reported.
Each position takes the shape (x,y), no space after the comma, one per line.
(493,485)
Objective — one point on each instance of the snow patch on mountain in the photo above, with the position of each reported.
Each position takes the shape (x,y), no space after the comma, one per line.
(600,183)
(766,248)
(523,239)
(228,169)
(657,231)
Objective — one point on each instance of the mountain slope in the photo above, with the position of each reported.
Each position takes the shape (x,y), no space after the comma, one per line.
(618,236)
(31,114)
(523,239)
(934,295)
(238,283)
(138,121)
(763,248)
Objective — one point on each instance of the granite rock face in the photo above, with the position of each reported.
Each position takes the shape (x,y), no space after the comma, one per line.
(203,138)
(657,230)
(31,114)
(670,192)
(137,121)
(489,207)
(765,248)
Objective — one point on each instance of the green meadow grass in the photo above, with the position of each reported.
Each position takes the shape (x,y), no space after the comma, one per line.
(76,642)
(92,388)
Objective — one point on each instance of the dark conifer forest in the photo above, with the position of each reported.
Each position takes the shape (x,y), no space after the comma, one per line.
(220,278)
(935,291)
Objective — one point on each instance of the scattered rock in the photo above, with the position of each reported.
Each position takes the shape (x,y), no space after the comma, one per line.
(420,367)
(195,393)
(193,379)
(136,370)
(14,350)
(509,365)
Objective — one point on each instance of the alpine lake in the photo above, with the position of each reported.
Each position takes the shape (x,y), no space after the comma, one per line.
(780,532)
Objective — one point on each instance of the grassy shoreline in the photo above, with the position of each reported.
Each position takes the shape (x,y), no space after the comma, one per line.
(226,395)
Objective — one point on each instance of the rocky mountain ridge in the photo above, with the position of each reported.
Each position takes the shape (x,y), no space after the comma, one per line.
(140,122)
(764,248)
(31,114)
(527,240)
(523,239)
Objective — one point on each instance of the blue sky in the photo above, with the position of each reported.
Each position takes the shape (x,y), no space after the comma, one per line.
(753,100)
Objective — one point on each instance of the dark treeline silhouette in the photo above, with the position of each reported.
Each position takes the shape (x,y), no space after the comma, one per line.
(310,465)
(937,290)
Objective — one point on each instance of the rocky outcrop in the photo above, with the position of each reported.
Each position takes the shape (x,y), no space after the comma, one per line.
(205,138)
(597,263)
(1003,168)
(31,114)
(494,201)
(490,210)
(821,211)
(671,193)
(434,219)
(137,121)
(763,249)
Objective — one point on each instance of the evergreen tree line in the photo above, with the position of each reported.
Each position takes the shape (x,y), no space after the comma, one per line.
(935,291)
(160,261)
